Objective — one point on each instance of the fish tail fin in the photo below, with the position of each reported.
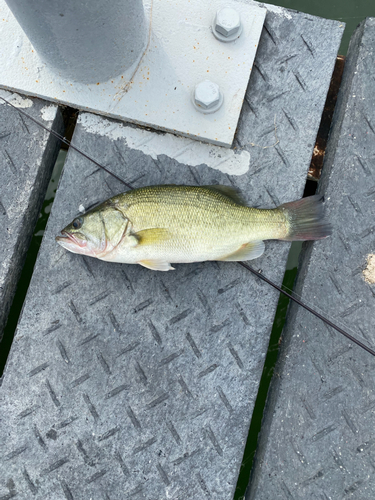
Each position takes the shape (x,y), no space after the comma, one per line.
(305,219)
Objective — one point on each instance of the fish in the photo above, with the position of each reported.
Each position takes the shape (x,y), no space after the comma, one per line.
(156,226)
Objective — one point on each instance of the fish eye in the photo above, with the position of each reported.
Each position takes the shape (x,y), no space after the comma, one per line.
(77,223)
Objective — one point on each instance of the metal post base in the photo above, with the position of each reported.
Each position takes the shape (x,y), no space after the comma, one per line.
(158,91)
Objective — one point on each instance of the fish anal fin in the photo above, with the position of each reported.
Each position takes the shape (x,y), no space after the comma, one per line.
(156,265)
(229,192)
(247,251)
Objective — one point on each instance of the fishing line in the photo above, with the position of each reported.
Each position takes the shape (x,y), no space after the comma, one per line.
(305,306)
(324,313)
(246,266)
(67,142)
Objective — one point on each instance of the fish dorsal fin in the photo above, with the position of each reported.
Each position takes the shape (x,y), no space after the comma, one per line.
(156,265)
(248,251)
(151,236)
(229,192)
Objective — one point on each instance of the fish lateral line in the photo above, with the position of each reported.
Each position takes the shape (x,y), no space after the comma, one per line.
(68,143)
(312,311)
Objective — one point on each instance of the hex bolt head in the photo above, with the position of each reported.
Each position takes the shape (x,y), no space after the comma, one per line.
(227,24)
(207,97)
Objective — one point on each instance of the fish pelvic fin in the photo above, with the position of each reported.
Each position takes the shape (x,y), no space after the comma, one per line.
(247,251)
(156,265)
(305,219)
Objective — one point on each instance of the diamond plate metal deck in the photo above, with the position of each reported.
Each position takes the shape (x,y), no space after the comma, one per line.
(318,437)
(127,383)
(27,156)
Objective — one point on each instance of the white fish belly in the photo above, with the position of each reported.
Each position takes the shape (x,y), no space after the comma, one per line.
(174,252)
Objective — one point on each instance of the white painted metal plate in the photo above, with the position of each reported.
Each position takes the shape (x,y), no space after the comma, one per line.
(182,51)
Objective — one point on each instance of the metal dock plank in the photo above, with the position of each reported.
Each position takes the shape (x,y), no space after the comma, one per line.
(317,435)
(27,156)
(128,383)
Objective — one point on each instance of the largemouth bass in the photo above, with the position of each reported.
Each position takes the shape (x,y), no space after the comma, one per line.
(156,226)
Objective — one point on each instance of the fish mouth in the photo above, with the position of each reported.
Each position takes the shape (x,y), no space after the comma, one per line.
(65,238)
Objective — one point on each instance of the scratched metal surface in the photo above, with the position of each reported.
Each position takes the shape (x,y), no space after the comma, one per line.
(27,156)
(126,383)
(318,437)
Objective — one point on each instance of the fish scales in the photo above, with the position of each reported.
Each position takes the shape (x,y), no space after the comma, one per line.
(202,210)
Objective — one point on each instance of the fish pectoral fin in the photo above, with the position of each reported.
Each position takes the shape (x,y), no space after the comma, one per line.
(247,251)
(152,236)
(156,265)
(132,240)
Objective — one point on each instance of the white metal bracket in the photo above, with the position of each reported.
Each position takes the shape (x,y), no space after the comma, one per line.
(158,91)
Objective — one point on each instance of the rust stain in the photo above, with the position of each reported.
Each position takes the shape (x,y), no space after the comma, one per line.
(322,137)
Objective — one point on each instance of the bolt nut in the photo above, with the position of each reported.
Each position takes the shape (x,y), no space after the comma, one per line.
(207,97)
(227,24)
